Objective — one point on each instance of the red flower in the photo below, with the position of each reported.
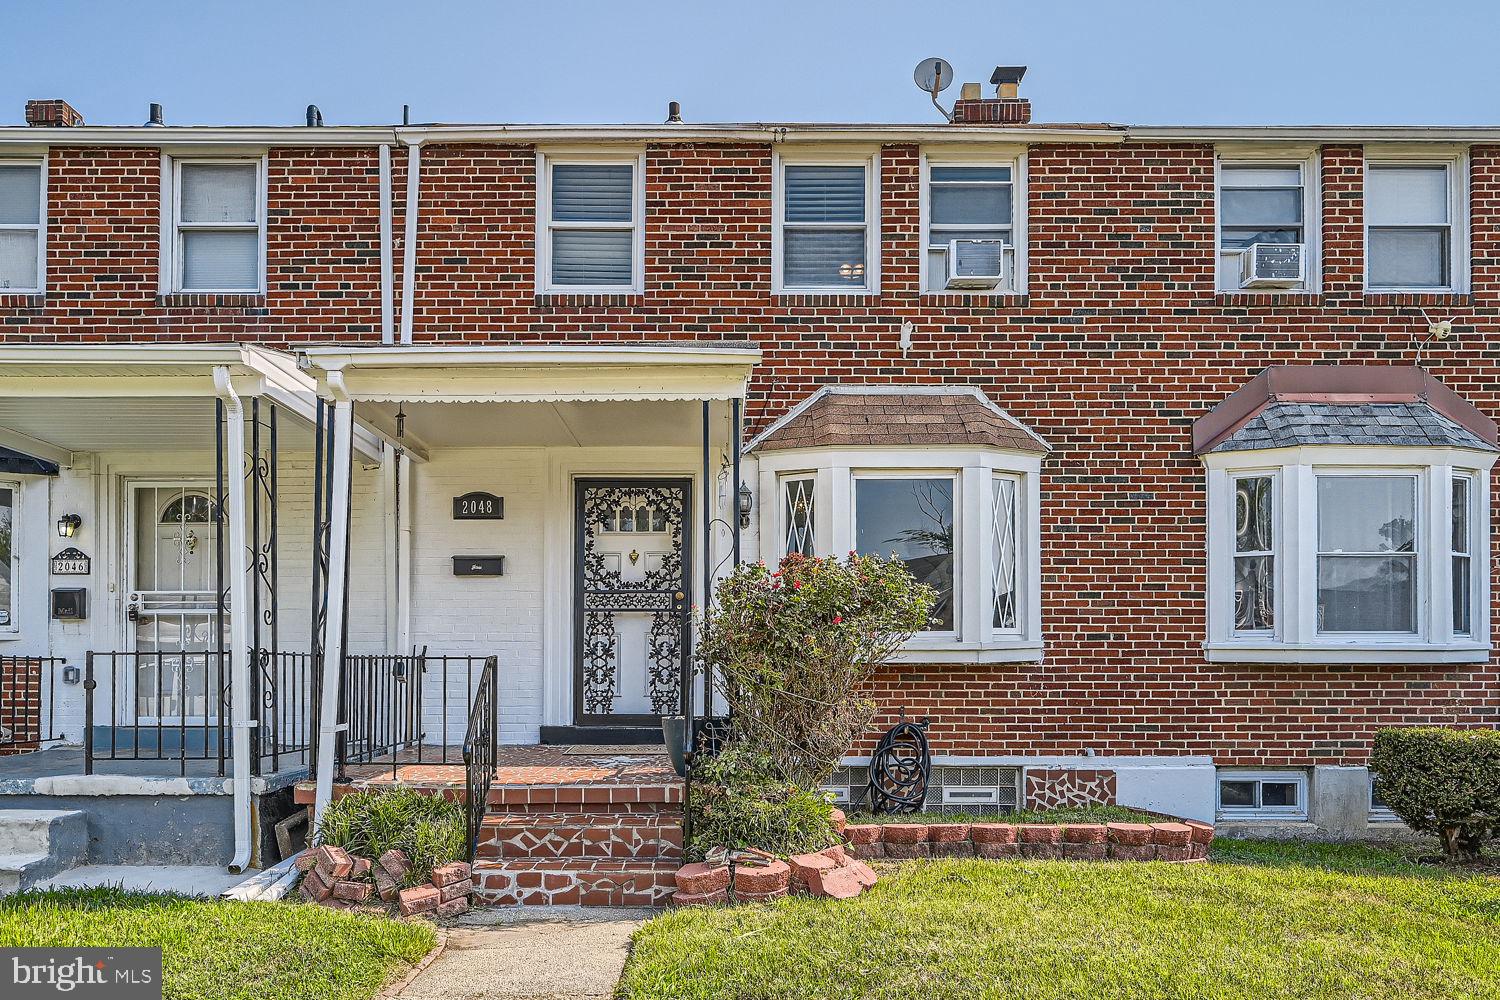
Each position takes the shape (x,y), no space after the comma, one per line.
(838,619)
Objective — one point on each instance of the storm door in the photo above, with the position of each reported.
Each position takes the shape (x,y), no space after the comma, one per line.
(631,583)
(173,604)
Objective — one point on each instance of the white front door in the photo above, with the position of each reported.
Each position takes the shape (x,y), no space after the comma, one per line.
(632,582)
(175,671)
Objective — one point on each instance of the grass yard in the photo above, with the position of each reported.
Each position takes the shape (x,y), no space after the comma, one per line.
(1263,921)
(226,951)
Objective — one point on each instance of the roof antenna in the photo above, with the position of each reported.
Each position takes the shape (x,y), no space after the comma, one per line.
(1436,330)
(935,76)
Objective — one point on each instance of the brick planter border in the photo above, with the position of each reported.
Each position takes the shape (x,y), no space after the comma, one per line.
(1170,839)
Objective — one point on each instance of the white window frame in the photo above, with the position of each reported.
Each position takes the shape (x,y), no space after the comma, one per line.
(1459,262)
(1293,777)
(172,227)
(870,160)
(547,159)
(834,473)
(13,627)
(1296,638)
(40,226)
(964,157)
(1312,216)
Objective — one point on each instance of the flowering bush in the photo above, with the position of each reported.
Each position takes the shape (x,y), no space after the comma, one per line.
(789,648)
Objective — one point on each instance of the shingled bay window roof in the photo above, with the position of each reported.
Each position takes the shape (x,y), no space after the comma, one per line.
(1382,405)
(898,417)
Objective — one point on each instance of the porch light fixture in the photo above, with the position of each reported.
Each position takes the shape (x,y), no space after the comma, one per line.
(746,504)
(68,525)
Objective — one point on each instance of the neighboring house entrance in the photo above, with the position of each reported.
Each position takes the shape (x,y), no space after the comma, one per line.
(170,614)
(632,580)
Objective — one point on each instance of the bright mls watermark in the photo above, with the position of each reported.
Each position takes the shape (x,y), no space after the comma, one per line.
(113,973)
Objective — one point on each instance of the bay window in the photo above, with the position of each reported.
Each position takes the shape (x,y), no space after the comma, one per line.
(966,523)
(1348,554)
(826,236)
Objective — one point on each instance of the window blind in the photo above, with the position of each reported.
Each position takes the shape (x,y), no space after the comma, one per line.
(592,225)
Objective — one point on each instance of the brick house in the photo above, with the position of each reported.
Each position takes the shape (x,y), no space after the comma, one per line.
(1191,426)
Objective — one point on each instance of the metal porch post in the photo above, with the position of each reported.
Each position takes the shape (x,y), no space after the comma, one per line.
(329,726)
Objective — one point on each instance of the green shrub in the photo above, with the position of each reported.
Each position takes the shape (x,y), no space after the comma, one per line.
(791,647)
(429,828)
(740,800)
(1442,781)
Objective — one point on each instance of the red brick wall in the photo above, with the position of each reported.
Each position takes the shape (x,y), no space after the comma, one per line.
(1120,344)
(20,704)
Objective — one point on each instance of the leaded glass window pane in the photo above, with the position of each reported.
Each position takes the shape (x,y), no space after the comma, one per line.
(1254,554)
(1462,565)
(912,520)
(798,495)
(1004,551)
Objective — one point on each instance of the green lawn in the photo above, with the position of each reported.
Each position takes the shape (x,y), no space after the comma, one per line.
(225,951)
(1261,922)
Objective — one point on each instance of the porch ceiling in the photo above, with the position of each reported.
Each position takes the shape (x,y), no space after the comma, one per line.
(613,424)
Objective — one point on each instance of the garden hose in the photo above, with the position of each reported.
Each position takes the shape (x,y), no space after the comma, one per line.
(900,769)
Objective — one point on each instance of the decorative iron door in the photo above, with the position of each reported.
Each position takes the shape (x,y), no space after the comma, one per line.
(631,586)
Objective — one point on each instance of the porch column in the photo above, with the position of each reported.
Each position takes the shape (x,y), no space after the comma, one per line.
(239,631)
(336,591)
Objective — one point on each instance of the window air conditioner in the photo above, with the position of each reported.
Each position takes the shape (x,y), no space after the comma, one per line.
(976,264)
(1272,265)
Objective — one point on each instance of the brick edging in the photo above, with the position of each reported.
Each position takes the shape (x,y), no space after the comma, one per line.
(1171,840)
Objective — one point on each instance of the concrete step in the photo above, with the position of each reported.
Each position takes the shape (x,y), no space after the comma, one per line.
(574,882)
(581,835)
(38,843)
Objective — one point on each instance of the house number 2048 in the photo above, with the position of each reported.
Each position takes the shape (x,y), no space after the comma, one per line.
(478,507)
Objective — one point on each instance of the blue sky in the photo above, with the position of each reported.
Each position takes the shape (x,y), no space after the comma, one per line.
(1137,61)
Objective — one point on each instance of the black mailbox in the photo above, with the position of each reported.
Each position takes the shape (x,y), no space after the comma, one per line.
(478,565)
(70,604)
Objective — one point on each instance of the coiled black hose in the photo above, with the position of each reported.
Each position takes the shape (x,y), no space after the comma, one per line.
(900,769)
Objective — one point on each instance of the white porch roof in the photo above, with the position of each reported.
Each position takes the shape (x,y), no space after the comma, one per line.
(56,399)
(540,396)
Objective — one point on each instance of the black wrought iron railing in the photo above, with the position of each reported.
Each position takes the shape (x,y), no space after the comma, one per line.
(28,716)
(410,709)
(481,747)
(175,706)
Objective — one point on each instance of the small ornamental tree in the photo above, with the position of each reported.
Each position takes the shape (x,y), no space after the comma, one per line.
(1445,782)
(790,647)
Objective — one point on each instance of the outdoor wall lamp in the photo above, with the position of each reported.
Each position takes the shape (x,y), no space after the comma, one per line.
(747,502)
(68,525)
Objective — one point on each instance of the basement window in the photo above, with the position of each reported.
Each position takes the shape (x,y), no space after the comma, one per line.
(590,233)
(217,221)
(1263,795)
(23,214)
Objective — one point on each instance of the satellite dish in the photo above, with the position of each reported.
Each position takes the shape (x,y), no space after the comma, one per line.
(934,75)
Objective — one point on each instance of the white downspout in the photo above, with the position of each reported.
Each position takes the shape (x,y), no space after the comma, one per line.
(387,276)
(239,631)
(333,621)
(409,247)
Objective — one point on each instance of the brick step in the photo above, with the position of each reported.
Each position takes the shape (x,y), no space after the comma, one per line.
(580,835)
(584,798)
(563,882)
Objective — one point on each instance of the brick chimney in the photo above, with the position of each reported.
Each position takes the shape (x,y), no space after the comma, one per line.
(52,114)
(1005,108)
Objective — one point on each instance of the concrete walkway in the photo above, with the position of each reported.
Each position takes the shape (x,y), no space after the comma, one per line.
(560,953)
